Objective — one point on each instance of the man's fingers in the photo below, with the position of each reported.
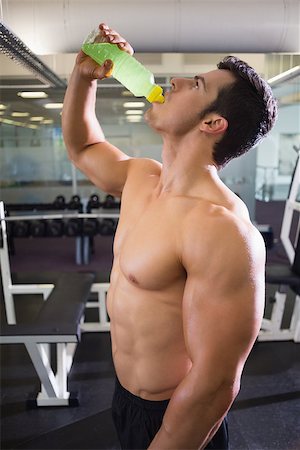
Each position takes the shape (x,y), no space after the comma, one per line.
(114,37)
(103,71)
(108,68)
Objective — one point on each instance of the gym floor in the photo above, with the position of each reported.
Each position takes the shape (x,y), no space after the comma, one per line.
(264,416)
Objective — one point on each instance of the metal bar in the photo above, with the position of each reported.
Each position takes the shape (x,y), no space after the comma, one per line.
(62,216)
(5,271)
(291,206)
(44,289)
(33,339)
(70,349)
(43,368)
(62,371)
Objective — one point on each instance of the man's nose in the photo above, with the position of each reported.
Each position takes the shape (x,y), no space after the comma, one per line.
(176,83)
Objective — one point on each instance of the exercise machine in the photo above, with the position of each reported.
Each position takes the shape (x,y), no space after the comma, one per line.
(286,276)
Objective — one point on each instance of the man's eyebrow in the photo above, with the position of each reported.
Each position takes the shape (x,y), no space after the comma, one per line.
(199,77)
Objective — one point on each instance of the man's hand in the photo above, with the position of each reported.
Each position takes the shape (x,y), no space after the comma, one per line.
(88,67)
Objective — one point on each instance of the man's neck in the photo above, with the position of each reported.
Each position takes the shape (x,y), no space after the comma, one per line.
(187,167)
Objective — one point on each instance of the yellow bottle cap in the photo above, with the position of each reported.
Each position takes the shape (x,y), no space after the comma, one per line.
(156,95)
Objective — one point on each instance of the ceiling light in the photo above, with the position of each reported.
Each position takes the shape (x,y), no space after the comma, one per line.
(2,106)
(13,47)
(134,118)
(17,124)
(34,94)
(133,104)
(47,122)
(19,114)
(53,105)
(134,111)
(36,118)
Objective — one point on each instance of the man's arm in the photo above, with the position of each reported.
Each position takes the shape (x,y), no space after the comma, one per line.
(222,310)
(104,164)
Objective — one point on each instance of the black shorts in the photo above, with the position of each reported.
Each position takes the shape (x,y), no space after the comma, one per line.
(137,421)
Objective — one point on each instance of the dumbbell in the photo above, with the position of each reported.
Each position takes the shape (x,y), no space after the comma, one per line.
(90,227)
(21,228)
(73,227)
(37,228)
(75,203)
(110,202)
(93,202)
(59,202)
(54,228)
(107,227)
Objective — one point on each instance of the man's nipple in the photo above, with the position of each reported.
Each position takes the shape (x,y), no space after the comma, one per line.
(133,279)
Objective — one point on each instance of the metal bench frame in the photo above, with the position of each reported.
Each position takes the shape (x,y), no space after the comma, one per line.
(271,329)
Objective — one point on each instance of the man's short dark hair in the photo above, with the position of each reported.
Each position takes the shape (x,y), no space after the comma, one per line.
(249,107)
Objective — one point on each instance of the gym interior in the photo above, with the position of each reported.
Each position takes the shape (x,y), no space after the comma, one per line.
(57,228)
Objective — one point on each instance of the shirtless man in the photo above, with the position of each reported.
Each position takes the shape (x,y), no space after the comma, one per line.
(186,293)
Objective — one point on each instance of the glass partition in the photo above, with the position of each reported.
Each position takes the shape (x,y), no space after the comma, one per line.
(34,166)
(277,154)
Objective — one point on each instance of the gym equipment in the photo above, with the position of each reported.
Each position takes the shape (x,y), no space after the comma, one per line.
(90,227)
(110,203)
(57,323)
(59,202)
(10,289)
(20,229)
(37,228)
(51,225)
(286,276)
(93,203)
(75,203)
(73,227)
(107,227)
(54,228)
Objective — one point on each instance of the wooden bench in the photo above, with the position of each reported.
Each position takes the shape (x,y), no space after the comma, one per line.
(58,323)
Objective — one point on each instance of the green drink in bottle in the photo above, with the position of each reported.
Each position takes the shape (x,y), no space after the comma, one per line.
(126,69)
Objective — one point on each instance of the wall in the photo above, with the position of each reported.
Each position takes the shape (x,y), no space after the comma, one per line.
(276,156)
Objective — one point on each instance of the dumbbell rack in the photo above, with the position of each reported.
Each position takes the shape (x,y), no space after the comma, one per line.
(74,222)
(10,289)
(35,221)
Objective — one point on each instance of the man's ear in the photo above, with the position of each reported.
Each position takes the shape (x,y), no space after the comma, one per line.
(213,124)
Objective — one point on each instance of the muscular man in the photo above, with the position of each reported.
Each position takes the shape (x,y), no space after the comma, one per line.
(186,293)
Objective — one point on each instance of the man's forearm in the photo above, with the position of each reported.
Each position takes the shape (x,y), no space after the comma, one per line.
(79,122)
(190,422)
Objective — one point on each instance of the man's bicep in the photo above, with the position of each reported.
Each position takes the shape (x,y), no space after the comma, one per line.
(221,320)
(105,165)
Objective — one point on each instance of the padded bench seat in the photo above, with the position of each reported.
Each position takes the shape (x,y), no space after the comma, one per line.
(283,274)
(57,322)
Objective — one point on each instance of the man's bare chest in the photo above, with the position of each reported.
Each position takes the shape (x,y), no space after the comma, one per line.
(146,246)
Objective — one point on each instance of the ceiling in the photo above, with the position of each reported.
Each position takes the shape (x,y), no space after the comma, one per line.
(170,37)
(243,26)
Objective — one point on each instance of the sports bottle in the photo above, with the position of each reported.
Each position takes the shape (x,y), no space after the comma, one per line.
(126,69)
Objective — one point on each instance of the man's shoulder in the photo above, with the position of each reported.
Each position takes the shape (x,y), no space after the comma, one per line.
(142,176)
(214,231)
(140,166)
(216,218)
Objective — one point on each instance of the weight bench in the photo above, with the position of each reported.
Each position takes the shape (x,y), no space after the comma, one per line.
(286,276)
(58,322)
